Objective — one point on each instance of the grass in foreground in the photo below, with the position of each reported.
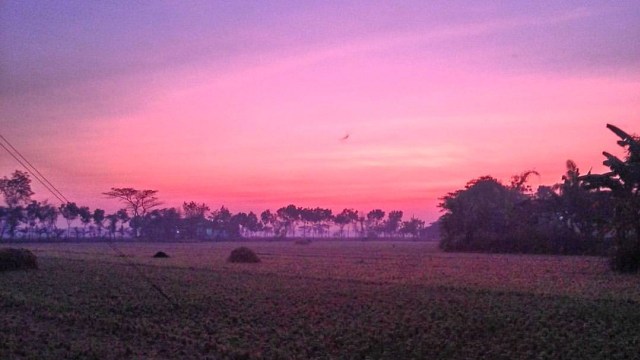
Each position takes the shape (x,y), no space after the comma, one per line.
(97,309)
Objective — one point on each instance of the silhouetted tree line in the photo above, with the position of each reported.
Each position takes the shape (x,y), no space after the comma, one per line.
(594,214)
(143,218)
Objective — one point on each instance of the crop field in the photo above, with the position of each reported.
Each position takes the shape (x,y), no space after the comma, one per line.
(351,299)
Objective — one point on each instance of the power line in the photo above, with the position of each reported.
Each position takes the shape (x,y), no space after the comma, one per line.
(34,168)
(32,173)
(22,160)
(142,274)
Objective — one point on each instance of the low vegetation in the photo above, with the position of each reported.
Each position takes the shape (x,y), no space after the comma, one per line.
(332,300)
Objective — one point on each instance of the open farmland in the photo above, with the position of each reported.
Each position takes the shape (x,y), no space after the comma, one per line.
(324,300)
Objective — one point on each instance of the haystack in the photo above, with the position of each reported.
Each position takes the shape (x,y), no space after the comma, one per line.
(17,259)
(243,255)
(161,255)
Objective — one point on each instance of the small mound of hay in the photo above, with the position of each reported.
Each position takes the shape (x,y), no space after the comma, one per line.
(303,242)
(161,255)
(243,255)
(17,259)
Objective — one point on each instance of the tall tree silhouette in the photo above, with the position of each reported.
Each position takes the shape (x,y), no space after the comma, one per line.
(394,220)
(98,219)
(138,201)
(289,215)
(85,218)
(374,219)
(194,218)
(48,215)
(269,221)
(31,218)
(221,221)
(69,212)
(17,189)
(412,227)
(345,218)
(624,183)
(476,215)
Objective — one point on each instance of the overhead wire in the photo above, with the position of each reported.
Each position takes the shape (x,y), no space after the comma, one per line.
(63,199)
(35,169)
(33,174)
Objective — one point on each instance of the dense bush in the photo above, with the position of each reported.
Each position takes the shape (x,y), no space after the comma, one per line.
(243,255)
(623,183)
(584,215)
(161,255)
(17,259)
(488,216)
(625,259)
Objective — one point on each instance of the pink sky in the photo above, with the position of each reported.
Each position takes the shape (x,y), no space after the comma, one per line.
(427,106)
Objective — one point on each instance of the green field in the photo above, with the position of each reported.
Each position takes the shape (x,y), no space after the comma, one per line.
(355,299)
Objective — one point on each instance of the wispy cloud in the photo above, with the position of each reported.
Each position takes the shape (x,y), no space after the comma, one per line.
(275,63)
(385,156)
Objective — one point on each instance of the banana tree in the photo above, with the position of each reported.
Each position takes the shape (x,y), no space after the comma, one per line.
(624,183)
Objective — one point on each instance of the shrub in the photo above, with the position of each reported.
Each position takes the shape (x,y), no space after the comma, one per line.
(17,259)
(625,259)
(161,255)
(243,255)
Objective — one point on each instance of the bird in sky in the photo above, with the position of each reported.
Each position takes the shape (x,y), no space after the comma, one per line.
(344,138)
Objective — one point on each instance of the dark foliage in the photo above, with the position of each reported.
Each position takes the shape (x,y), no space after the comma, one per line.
(161,255)
(488,216)
(337,316)
(625,259)
(592,214)
(161,224)
(243,255)
(24,218)
(623,183)
(17,259)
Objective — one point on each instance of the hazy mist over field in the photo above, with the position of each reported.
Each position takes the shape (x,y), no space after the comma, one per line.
(256,105)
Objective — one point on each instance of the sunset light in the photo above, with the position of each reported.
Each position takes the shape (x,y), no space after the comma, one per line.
(298,179)
(245,105)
